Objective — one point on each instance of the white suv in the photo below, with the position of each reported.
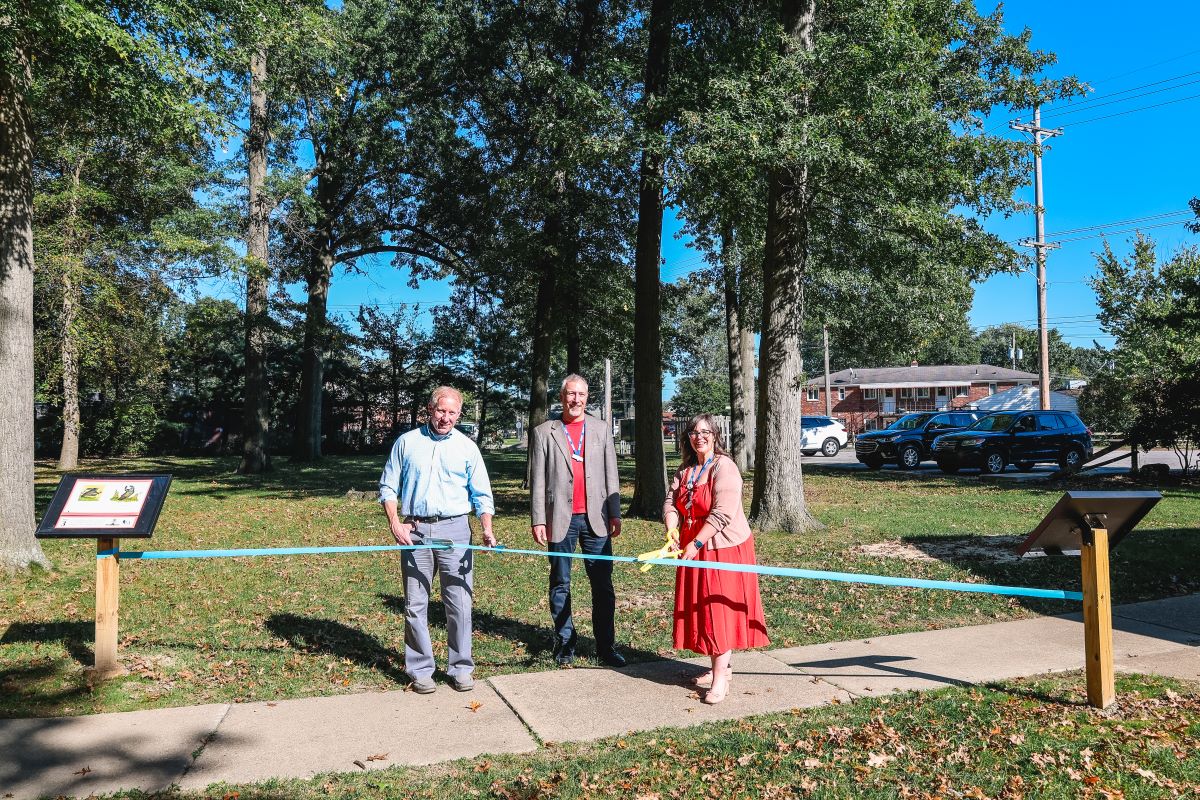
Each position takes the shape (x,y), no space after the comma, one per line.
(822,434)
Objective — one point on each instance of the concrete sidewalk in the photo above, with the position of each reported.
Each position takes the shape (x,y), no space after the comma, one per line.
(242,743)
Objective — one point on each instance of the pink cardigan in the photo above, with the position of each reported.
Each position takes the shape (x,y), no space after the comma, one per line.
(726,524)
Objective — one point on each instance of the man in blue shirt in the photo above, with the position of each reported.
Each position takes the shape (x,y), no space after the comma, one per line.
(433,479)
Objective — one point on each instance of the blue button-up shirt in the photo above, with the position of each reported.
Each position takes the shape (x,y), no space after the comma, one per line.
(436,476)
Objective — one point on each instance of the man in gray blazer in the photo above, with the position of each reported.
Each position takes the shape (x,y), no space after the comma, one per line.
(575,497)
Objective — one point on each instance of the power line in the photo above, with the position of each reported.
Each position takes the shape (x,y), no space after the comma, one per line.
(1121,222)
(1133,110)
(1101,100)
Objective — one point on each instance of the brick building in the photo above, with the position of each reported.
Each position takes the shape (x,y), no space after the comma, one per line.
(865,399)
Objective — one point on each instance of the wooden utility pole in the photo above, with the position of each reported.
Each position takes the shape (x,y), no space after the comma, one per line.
(1040,244)
(828,397)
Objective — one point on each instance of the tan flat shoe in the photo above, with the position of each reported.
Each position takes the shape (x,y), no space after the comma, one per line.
(714,696)
(704,679)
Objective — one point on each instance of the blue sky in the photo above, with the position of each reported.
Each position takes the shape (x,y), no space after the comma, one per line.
(1131,158)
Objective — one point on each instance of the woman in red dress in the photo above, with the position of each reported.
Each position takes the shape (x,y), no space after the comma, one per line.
(716,611)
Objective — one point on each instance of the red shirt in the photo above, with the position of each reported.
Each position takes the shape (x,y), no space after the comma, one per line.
(574,432)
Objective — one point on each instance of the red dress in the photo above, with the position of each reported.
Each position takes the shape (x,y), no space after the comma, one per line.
(715,610)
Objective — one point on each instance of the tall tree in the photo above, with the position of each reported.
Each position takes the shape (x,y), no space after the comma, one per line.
(1153,311)
(256,412)
(370,104)
(71,58)
(874,137)
(18,548)
(650,472)
(778,502)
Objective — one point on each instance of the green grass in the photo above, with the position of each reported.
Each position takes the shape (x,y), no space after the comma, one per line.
(1019,739)
(195,631)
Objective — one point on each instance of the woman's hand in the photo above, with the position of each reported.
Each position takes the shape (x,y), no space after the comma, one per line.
(673,537)
(690,551)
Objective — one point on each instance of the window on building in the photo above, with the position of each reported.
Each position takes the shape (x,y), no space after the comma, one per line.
(841,393)
(870,394)
(962,391)
(991,388)
(922,391)
(906,392)
(813,395)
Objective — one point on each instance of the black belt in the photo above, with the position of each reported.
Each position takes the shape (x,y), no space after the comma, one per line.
(428,520)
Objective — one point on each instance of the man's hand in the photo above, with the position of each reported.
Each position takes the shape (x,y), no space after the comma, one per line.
(401,531)
(614,528)
(539,534)
(489,538)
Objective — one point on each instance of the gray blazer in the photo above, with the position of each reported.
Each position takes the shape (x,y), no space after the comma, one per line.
(551,482)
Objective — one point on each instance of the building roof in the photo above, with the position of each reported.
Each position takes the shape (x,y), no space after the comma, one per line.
(1025,398)
(901,377)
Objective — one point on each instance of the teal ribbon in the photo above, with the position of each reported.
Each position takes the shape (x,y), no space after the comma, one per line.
(758,569)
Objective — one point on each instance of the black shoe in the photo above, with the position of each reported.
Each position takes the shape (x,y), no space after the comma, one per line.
(611,659)
(564,658)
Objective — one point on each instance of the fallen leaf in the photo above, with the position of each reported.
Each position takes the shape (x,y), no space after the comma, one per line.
(879,759)
(743,760)
(231,796)
(621,744)
(359,764)
(377,757)
(83,771)
(475,705)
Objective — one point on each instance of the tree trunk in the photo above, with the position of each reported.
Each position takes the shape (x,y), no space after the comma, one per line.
(542,334)
(650,466)
(18,548)
(68,454)
(778,502)
(741,364)
(312,376)
(256,411)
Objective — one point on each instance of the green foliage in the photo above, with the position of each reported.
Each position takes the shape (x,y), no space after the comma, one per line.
(1153,311)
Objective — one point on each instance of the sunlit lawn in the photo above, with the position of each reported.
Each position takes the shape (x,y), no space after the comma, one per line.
(253,628)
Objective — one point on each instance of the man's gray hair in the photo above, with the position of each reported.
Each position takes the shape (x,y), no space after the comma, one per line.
(444,391)
(572,378)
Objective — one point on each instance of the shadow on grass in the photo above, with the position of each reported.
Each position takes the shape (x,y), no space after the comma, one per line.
(76,636)
(538,640)
(25,693)
(312,635)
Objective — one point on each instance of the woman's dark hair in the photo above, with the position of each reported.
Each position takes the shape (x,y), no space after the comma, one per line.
(685,445)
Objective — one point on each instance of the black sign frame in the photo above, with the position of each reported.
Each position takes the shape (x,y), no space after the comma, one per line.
(143,527)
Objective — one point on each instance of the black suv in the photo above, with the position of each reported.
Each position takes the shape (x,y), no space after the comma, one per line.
(1023,438)
(907,440)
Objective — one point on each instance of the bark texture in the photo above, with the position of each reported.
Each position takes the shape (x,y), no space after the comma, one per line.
(68,454)
(739,340)
(256,411)
(650,466)
(778,502)
(18,548)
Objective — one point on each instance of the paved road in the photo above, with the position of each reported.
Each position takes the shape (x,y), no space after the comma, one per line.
(846,460)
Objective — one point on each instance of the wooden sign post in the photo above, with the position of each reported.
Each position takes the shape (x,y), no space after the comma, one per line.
(1091,524)
(1097,612)
(108,591)
(105,508)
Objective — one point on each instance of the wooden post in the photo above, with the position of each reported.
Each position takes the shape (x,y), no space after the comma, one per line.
(1097,617)
(107,592)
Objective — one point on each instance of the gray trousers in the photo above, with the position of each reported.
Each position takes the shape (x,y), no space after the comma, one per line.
(454,566)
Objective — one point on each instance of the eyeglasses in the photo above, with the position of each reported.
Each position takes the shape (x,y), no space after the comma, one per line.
(698,432)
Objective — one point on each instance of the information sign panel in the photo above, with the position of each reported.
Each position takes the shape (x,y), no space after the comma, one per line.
(95,506)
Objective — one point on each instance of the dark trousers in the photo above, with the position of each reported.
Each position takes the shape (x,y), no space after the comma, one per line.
(599,573)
